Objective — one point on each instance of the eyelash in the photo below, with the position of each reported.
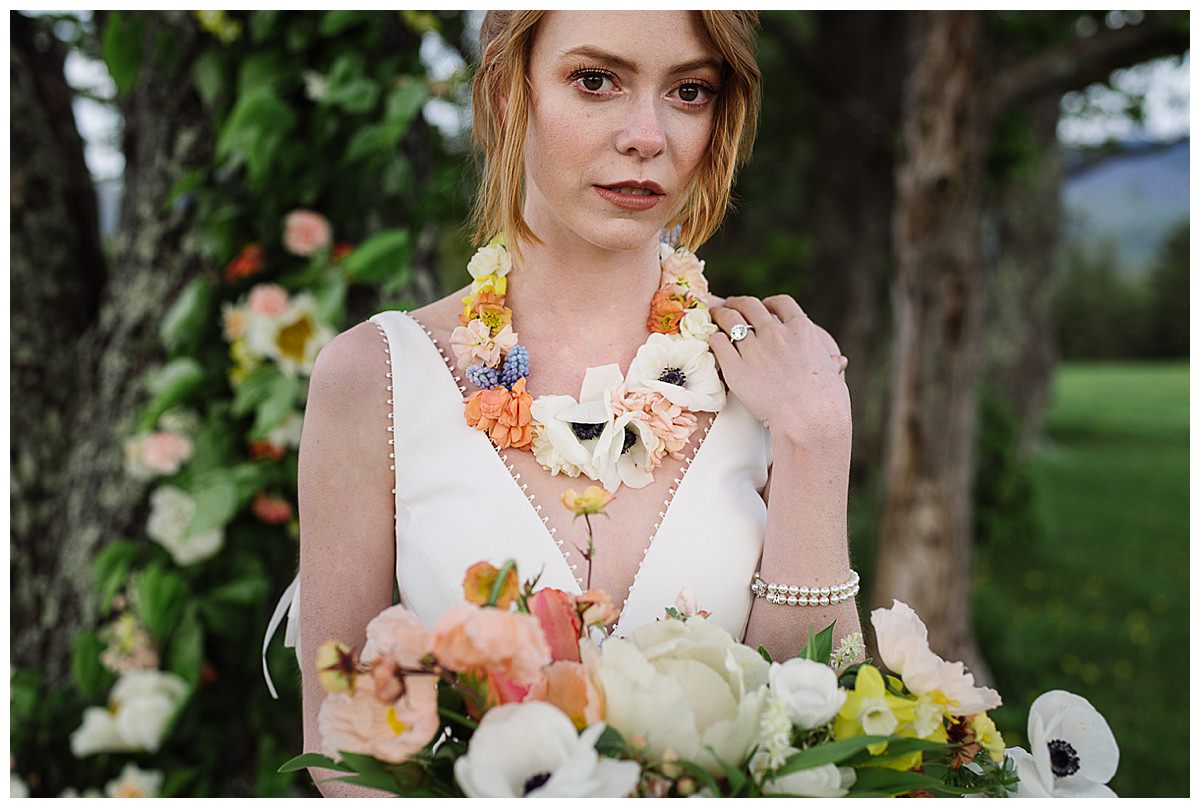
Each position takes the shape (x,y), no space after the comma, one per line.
(584,72)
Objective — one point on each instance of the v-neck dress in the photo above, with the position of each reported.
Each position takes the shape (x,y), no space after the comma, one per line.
(458,502)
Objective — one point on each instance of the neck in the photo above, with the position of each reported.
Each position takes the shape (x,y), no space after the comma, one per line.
(569,289)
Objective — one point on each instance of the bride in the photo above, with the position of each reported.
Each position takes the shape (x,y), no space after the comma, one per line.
(600,130)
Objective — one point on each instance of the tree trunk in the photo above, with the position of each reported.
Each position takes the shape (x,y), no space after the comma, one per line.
(166,134)
(1020,354)
(56,274)
(854,73)
(924,555)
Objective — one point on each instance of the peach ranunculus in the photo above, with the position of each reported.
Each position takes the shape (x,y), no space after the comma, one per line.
(670,423)
(667,308)
(164,452)
(568,687)
(481,579)
(596,608)
(268,300)
(512,422)
(358,722)
(271,510)
(305,232)
(560,622)
(397,633)
(471,639)
(474,343)
(247,262)
(683,268)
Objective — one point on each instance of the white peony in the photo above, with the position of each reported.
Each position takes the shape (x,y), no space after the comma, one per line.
(135,782)
(682,687)
(493,260)
(697,324)
(904,648)
(171,511)
(532,750)
(678,359)
(809,689)
(1074,751)
(827,780)
(140,705)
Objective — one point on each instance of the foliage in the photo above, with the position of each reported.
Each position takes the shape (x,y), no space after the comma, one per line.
(318,113)
(1005,495)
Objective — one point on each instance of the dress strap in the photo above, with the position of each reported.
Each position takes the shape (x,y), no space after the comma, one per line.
(289,604)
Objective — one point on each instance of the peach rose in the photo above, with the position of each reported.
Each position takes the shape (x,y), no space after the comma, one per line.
(666,310)
(358,722)
(164,452)
(305,232)
(568,687)
(271,510)
(268,300)
(686,270)
(555,611)
(596,608)
(397,633)
(471,639)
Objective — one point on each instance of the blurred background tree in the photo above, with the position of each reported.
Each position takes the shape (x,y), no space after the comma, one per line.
(916,199)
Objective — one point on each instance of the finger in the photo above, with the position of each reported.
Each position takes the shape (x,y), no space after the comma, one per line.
(842,362)
(726,318)
(784,307)
(726,353)
(754,311)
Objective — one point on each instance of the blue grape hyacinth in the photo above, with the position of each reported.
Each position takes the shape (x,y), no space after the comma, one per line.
(516,366)
(483,377)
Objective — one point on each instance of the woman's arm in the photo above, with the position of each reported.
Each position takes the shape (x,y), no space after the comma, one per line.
(347,522)
(789,375)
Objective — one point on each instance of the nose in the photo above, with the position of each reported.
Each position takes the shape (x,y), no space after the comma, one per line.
(642,135)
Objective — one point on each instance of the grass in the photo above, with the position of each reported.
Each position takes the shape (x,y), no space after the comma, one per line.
(1099,606)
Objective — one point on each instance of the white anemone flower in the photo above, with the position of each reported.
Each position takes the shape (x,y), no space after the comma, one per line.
(1074,751)
(571,429)
(531,749)
(623,454)
(682,369)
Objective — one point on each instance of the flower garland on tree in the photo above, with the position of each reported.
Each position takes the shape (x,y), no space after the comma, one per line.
(621,427)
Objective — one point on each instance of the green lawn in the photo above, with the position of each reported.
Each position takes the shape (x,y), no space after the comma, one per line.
(1100,606)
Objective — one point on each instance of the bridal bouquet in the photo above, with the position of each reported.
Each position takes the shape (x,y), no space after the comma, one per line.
(518,692)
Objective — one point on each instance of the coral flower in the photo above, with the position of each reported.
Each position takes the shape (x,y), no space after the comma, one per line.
(271,510)
(305,232)
(666,310)
(481,579)
(247,262)
(568,687)
(358,722)
(469,639)
(340,250)
(514,421)
(560,622)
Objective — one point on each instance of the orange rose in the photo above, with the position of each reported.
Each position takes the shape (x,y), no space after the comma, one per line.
(666,310)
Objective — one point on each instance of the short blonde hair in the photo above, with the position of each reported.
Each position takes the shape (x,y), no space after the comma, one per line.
(505,44)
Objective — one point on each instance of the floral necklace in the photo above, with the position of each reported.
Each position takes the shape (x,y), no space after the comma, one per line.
(621,427)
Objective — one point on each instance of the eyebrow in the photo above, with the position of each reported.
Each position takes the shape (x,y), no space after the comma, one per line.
(625,64)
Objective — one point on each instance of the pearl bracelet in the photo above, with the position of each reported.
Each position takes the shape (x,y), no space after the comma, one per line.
(805,596)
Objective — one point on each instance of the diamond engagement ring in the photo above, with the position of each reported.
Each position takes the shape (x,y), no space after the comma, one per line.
(740,332)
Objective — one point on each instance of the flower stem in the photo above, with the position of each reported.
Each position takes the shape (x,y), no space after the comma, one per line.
(591,549)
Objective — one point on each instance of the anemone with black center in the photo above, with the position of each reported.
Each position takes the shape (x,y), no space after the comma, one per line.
(587,431)
(537,781)
(1064,760)
(629,440)
(673,376)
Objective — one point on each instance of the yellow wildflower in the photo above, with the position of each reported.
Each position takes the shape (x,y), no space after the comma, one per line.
(871,710)
(988,736)
(592,500)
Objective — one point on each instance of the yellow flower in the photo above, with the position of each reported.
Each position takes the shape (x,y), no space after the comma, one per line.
(481,578)
(988,736)
(931,708)
(336,668)
(871,710)
(592,500)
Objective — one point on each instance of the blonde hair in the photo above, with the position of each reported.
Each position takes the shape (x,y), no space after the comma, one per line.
(505,44)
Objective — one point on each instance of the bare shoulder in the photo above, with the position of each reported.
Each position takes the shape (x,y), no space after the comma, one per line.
(351,365)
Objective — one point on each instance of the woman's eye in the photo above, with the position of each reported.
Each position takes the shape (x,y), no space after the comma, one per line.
(592,82)
(694,92)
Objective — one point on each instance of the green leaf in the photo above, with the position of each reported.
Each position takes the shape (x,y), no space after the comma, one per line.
(310,759)
(112,567)
(242,592)
(896,749)
(177,780)
(161,596)
(890,782)
(274,408)
(331,300)
(256,127)
(762,652)
(187,182)
(834,752)
(733,774)
(255,388)
(121,48)
(404,102)
(264,72)
(92,679)
(820,647)
(610,743)
(186,653)
(334,22)
(216,499)
(169,385)
(373,139)
(377,257)
(264,25)
(208,76)
(184,323)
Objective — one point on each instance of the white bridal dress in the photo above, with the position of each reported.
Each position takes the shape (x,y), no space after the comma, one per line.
(708,538)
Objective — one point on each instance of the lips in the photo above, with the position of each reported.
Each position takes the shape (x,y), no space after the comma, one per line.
(644,185)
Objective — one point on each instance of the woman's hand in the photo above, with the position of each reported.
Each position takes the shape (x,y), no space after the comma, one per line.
(787,371)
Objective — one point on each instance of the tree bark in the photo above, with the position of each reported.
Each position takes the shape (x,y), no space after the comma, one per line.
(1019,350)
(924,552)
(92,500)
(57,272)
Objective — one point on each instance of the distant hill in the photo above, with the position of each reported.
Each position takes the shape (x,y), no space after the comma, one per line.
(1133,198)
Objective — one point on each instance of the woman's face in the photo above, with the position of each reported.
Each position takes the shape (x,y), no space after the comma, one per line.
(616,98)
